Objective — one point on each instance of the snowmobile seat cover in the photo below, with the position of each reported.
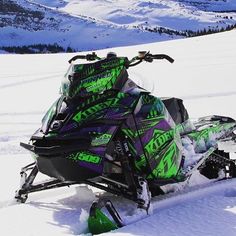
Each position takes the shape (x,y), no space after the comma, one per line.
(176,109)
(94,78)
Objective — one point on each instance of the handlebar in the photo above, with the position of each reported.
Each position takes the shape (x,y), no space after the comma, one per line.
(88,57)
(142,56)
(148,57)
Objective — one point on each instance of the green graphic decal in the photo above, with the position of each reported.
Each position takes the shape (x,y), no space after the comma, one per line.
(83,115)
(148,99)
(78,68)
(85,156)
(114,63)
(152,113)
(158,140)
(132,149)
(156,110)
(100,82)
(153,107)
(101,139)
(167,167)
(91,79)
(145,125)
(141,162)
(96,83)
(205,134)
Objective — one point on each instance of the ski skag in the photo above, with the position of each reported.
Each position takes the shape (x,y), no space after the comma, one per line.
(107,132)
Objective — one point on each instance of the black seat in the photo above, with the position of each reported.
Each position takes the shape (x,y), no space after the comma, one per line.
(176,109)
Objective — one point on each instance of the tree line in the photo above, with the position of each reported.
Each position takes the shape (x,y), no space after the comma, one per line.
(186,33)
(36,48)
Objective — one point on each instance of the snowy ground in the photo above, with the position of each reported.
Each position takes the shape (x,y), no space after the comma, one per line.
(203,74)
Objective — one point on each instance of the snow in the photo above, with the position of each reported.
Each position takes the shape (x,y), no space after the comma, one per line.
(203,74)
(210,211)
(173,14)
(96,24)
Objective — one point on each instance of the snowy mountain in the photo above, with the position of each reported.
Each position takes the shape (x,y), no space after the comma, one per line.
(203,75)
(93,24)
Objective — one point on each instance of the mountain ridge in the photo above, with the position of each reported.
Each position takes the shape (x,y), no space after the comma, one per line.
(88,25)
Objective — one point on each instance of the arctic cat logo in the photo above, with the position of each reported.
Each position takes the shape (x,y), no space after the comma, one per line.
(158,140)
(87,157)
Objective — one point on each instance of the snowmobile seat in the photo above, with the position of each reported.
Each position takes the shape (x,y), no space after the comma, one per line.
(176,109)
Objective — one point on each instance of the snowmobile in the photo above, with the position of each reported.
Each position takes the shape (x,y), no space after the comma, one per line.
(107,132)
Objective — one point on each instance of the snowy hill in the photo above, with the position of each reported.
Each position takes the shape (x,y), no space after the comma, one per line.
(203,75)
(88,25)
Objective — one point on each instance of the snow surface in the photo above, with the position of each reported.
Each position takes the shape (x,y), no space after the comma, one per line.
(173,14)
(95,24)
(203,75)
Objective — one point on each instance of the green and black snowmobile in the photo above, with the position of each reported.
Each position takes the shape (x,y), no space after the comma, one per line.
(107,132)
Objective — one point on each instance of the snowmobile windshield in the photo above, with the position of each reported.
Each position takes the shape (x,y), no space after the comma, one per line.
(46,121)
(93,78)
(65,83)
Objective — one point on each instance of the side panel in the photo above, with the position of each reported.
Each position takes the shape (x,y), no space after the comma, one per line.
(160,139)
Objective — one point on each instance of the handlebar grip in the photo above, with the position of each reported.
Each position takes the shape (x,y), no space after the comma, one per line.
(163,56)
(76,58)
(88,57)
